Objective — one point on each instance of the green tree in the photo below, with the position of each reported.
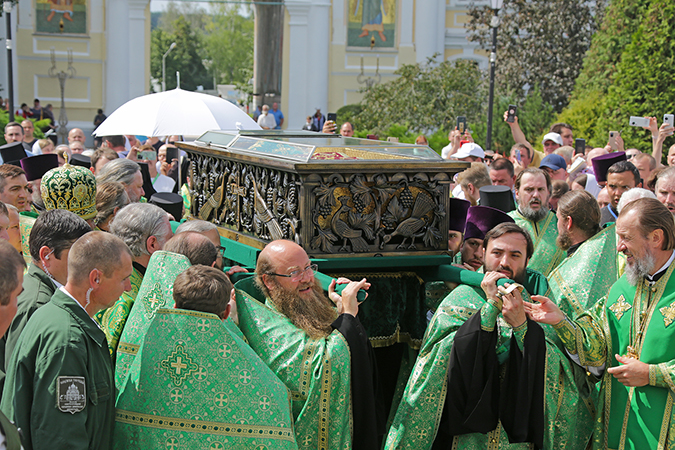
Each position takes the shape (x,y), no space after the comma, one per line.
(534,117)
(424,97)
(626,73)
(540,43)
(588,106)
(193,13)
(186,58)
(642,84)
(228,42)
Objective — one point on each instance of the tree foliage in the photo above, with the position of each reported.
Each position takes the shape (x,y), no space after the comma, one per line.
(424,97)
(534,117)
(228,42)
(642,84)
(540,43)
(184,58)
(627,73)
(216,44)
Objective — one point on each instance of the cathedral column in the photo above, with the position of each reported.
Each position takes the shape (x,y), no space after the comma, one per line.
(429,28)
(308,59)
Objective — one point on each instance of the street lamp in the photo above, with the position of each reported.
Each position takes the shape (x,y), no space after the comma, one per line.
(171,47)
(7,9)
(494,24)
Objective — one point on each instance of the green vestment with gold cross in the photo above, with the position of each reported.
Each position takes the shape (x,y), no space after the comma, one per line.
(631,320)
(195,384)
(547,255)
(113,319)
(416,423)
(316,371)
(156,291)
(586,276)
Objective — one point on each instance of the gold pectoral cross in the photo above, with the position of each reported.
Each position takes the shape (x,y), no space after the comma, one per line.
(631,352)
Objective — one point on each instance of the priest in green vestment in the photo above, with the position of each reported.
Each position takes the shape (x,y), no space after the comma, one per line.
(625,337)
(145,229)
(323,356)
(590,266)
(156,291)
(434,410)
(195,383)
(533,191)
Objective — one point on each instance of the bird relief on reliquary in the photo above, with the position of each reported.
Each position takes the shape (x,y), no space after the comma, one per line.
(370,214)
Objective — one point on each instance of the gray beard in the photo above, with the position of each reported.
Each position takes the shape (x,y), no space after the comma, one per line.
(639,269)
(534,215)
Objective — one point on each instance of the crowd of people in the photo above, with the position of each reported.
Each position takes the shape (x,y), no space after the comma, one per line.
(122,330)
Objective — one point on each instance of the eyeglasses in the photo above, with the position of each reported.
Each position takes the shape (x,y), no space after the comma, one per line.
(298,273)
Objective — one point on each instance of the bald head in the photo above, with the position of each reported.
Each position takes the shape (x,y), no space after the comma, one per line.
(280,257)
(280,253)
(594,154)
(76,135)
(195,246)
(286,276)
(203,227)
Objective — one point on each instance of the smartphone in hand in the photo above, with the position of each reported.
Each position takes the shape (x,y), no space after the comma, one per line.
(638,121)
(461,124)
(668,118)
(171,154)
(579,146)
(612,140)
(511,114)
(147,155)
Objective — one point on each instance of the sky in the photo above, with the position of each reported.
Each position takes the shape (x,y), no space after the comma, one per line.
(160,5)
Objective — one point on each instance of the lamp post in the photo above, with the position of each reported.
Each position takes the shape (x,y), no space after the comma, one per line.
(171,47)
(7,9)
(494,24)
(62,76)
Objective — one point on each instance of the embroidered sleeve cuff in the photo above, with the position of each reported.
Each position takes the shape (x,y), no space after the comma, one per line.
(489,313)
(567,333)
(660,375)
(519,333)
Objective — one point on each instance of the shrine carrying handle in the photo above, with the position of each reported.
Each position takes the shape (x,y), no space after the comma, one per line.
(325,281)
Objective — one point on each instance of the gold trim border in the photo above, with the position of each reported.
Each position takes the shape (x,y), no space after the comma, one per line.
(201,426)
(129,349)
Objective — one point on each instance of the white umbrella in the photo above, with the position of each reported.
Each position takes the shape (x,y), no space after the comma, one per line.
(175,112)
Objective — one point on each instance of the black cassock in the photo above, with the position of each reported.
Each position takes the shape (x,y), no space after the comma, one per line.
(368,418)
(477,398)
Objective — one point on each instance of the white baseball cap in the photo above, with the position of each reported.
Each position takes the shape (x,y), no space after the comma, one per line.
(555,137)
(469,149)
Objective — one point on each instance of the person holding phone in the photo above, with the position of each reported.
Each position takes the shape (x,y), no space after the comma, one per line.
(346,130)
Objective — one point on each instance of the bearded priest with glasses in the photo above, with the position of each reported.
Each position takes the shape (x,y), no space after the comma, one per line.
(316,345)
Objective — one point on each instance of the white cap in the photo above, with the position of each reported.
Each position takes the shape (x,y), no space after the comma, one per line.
(469,149)
(555,137)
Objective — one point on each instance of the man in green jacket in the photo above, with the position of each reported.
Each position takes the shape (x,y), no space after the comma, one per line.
(53,233)
(11,277)
(59,388)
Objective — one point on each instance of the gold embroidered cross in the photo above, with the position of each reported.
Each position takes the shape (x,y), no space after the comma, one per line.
(620,307)
(668,314)
(154,301)
(179,365)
